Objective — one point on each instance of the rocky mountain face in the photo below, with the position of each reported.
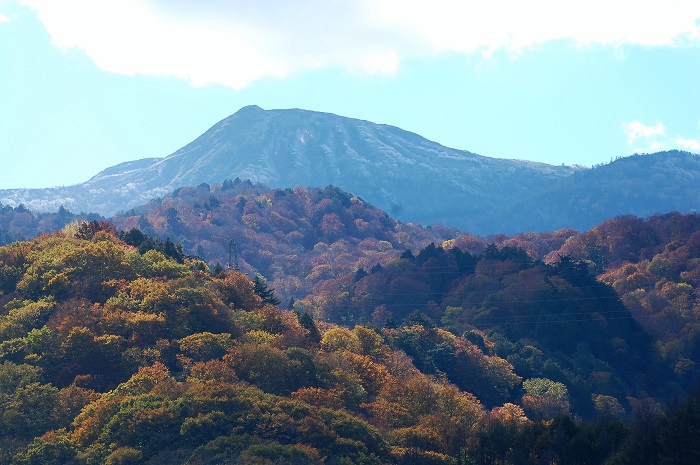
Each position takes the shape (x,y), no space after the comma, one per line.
(406,175)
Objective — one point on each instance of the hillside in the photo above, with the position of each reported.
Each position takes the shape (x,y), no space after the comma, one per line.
(295,238)
(530,311)
(641,185)
(314,247)
(19,223)
(111,354)
(654,266)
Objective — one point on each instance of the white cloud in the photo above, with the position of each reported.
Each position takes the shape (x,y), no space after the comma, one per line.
(688,144)
(654,146)
(654,138)
(236,42)
(636,130)
(4,19)
(464,26)
(381,63)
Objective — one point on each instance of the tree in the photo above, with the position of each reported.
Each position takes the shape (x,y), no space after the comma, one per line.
(87,230)
(217,270)
(29,411)
(308,324)
(678,433)
(53,448)
(261,289)
(545,398)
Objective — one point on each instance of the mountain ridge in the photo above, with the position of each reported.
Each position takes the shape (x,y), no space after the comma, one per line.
(403,173)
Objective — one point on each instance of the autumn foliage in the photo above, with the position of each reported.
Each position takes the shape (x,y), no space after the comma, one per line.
(113,355)
(401,345)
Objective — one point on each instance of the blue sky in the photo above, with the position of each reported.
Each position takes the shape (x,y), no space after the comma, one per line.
(87,84)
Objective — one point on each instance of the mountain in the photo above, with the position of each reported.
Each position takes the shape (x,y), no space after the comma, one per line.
(111,352)
(402,173)
(641,185)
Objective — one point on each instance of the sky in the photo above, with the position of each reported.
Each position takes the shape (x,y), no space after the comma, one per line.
(88,84)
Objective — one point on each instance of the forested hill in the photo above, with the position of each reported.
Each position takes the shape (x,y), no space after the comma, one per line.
(540,288)
(296,238)
(531,312)
(404,174)
(111,354)
(19,223)
(120,354)
(654,266)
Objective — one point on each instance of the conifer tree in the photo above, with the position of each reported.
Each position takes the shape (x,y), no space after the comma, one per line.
(261,289)
(308,324)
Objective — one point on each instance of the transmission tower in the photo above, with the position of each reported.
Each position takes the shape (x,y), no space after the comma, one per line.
(232,256)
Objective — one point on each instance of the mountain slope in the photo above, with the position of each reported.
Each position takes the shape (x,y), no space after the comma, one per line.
(400,172)
(641,185)
(296,238)
(406,175)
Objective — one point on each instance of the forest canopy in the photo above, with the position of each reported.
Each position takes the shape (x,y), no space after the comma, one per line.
(119,347)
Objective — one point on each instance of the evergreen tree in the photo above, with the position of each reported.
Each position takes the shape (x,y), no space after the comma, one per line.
(267,294)
(217,270)
(134,237)
(173,250)
(418,318)
(360,273)
(308,324)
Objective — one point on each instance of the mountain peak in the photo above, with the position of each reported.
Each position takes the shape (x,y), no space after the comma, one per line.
(402,173)
(249,109)
(391,168)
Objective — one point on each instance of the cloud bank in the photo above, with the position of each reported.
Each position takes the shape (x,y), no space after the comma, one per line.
(236,42)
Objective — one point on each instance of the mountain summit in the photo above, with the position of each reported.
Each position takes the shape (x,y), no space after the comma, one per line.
(402,173)
(412,178)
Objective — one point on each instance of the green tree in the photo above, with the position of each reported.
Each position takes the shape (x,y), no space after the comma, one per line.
(261,289)
(308,324)
(53,448)
(29,412)
(545,398)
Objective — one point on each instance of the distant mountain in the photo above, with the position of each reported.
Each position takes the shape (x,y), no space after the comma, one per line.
(402,173)
(408,176)
(640,185)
